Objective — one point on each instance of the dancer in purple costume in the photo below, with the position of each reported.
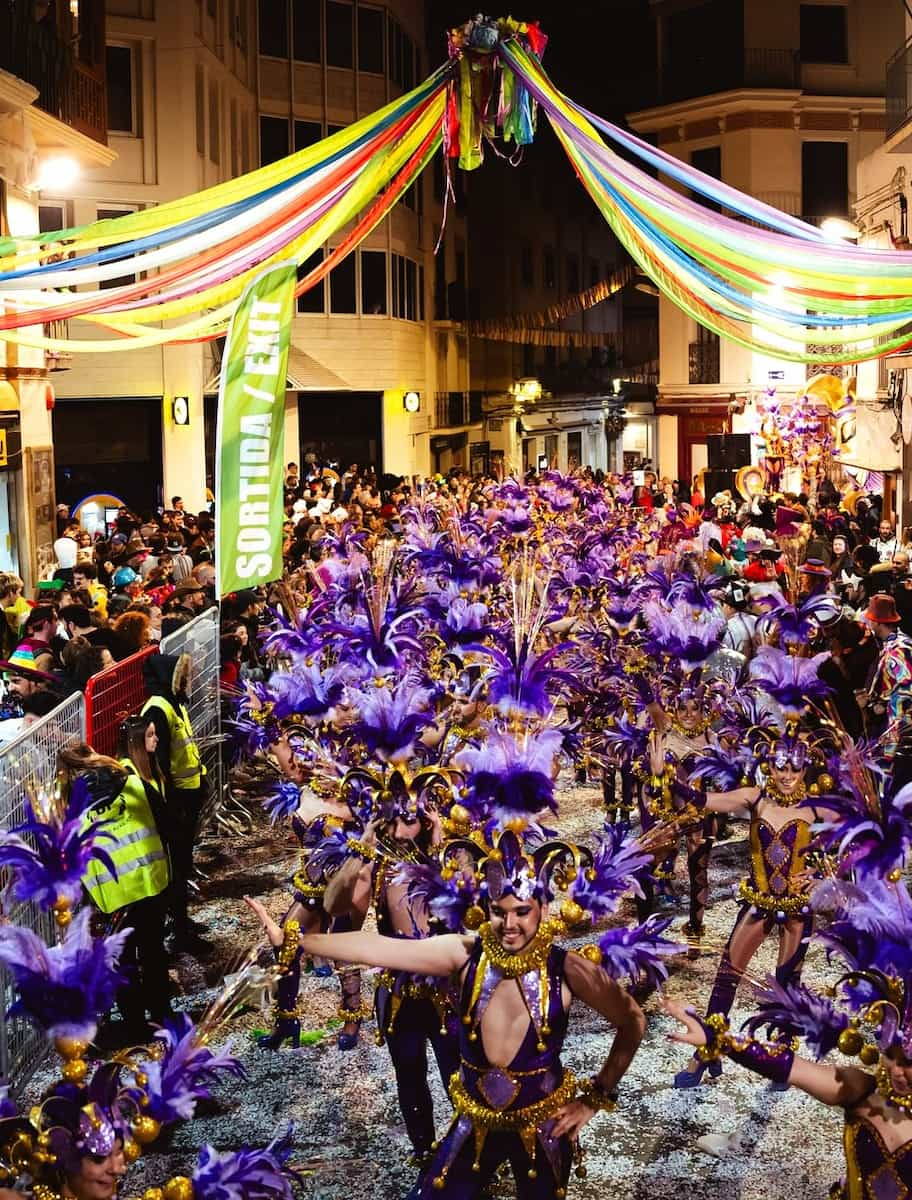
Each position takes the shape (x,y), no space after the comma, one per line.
(774,896)
(514,1102)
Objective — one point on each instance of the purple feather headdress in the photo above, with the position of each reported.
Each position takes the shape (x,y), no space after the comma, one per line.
(63,989)
(48,865)
(791,681)
(507,776)
(681,632)
(796,624)
(390,718)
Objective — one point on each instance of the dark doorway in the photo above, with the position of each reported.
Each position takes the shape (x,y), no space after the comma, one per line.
(342,427)
(112,446)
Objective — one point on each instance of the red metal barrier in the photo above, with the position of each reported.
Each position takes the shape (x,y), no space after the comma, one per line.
(111,696)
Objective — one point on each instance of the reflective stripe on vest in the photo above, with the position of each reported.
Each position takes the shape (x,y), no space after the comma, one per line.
(137,852)
(187,770)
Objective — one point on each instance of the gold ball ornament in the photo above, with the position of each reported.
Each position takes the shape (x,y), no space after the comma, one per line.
(75,1070)
(131,1150)
(474,917)
(70,1048)
(869,1055)
(850,1042)
(178,1188)
(145,1130)
(825,782)
(895,875)
(460,815)
(571,912)
(591,952)
(153,1193)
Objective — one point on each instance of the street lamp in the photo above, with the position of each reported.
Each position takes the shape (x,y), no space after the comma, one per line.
(838,229)
(526,391)
(56,174)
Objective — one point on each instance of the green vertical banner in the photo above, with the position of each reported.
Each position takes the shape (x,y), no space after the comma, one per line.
(250,433)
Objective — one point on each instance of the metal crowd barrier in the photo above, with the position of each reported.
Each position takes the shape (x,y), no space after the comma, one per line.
(29,765)
(112,696)
(200,639)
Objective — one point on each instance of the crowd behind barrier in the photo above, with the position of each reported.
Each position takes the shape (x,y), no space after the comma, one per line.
(28,767)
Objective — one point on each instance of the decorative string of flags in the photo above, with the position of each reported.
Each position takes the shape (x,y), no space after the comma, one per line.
(752,274)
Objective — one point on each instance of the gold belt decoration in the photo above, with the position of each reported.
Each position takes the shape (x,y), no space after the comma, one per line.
(522,1121)
(790,905)
(410,990)
(510,1074)
(512,1120)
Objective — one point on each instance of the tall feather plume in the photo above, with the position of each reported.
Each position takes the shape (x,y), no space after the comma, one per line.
(183,1071)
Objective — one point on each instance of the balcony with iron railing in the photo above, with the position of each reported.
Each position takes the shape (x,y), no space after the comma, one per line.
(726,69)
(37,52)
(454,409)
(703,361)
(899,89)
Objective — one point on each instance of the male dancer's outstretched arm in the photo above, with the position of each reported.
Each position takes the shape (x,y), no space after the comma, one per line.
(440,955)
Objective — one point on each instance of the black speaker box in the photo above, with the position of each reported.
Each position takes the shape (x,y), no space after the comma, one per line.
(728,451)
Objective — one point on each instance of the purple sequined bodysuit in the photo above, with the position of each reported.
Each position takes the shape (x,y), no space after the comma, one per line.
(872,1171)
(534,1072)
(475,1145)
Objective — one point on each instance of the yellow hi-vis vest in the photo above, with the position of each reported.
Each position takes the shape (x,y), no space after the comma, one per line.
(137,853)
(187,769)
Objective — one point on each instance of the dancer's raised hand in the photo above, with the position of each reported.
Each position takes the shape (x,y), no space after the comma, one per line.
(693,1033)
(271,928)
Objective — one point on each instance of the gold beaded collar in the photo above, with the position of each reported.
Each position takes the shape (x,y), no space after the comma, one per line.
(886,1090)
(532,958)
(775,795)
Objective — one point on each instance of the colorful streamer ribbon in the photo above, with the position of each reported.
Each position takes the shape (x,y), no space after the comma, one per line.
(759,277)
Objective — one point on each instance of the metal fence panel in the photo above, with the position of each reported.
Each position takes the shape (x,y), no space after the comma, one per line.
(112,696)
(28,765)
(200,639)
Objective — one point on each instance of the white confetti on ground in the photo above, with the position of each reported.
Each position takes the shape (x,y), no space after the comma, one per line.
(349,1138)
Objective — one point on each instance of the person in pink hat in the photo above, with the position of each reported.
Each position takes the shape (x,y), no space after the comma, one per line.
(891,689)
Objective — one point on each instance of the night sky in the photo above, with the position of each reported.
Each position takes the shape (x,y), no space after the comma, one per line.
(601,52)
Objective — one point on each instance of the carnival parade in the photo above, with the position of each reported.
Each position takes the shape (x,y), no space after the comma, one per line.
(577,808)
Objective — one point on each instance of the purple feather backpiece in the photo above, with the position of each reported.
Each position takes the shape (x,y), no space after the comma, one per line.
(184,1073)
(50,863)
(616,867)
(63,989)
(245,1174)
(639,952)
(870,843)
(444,900)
